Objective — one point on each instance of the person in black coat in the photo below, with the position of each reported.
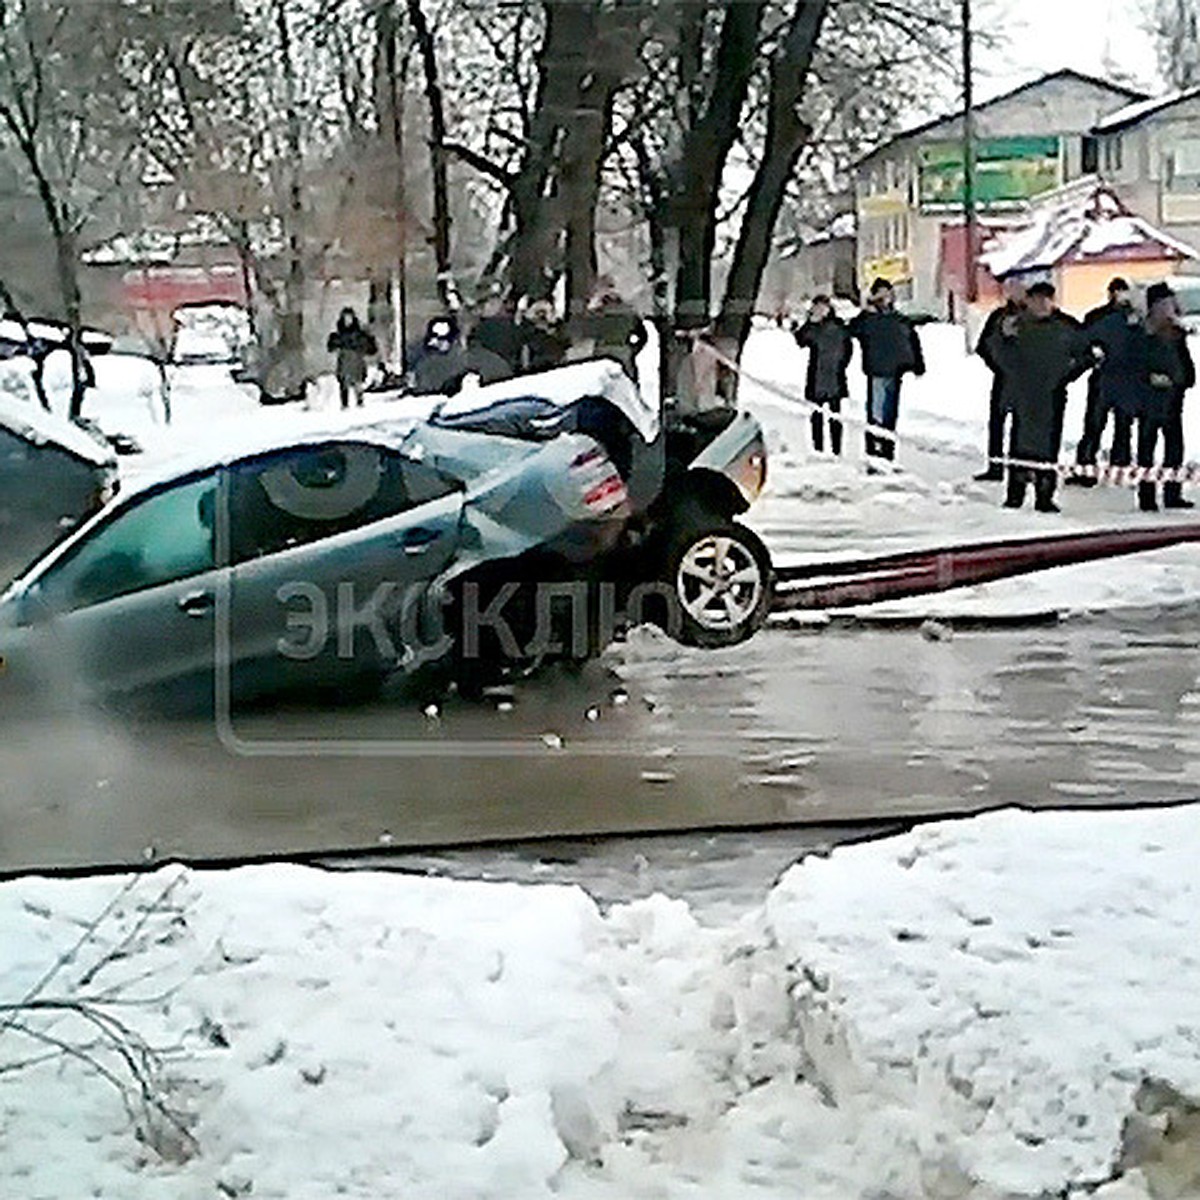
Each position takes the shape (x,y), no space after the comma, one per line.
(614,327)
(497,333)
(998,412)
(1167,376)
(890,350)
(544,342)
(352,344)
(1114,334)
(826,338)
(1040,353)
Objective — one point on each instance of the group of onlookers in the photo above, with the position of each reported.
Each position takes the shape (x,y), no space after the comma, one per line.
(890,348)
(500,341)
(1141,370)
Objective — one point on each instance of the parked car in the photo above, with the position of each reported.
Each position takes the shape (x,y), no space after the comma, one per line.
(331,561)
(53,475)
(202,348)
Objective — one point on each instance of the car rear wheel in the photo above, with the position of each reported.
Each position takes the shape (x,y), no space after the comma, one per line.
(720,575)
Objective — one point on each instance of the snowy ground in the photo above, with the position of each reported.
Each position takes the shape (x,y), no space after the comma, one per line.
(917,1017)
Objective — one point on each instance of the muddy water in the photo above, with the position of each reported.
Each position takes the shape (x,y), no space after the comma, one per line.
(821,727)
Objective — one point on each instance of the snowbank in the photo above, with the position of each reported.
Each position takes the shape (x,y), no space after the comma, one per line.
(1008,982)
(967,1011)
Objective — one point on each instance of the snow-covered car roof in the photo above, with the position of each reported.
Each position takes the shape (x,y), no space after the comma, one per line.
(563,386)
(390,418)
(41,428)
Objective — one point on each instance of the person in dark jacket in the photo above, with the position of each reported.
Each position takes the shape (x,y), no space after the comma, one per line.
(1039,353)
(440,365)
(998,412)
(544,342)
(614,327)
(1168,374)
(496,332)
(352,344)
(890,350)
(1113,388)
(825,336)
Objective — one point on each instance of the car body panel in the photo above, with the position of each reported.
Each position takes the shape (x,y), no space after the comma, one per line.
(468,501)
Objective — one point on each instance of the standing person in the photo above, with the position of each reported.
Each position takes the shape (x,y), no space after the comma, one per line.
(998,410)
(890,350)
(827,339)
(544,342)
(1113,331)
(496,332)
(1169,373)
(614,326)
(352,344)
(1039,352)
(441,363)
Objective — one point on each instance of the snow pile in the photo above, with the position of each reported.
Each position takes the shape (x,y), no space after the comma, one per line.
(362,1034)
(1002,1007)
(1009,981)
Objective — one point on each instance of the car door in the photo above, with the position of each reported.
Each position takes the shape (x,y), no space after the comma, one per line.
(132,603)
(328,543)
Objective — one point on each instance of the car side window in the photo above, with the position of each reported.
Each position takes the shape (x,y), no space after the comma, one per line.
(155,541)
(289,499)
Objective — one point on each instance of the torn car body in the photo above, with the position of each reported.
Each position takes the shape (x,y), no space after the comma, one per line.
(329,561)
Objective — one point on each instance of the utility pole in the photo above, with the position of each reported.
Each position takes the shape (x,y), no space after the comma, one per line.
(970,215)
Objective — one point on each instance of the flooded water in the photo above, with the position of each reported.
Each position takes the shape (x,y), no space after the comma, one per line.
(821,727)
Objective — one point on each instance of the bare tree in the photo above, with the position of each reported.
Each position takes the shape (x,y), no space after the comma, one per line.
(67,113)
(1175,25)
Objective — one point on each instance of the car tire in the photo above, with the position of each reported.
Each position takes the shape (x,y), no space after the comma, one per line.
(720,577)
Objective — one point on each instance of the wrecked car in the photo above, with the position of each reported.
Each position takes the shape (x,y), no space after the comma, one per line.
(433,539)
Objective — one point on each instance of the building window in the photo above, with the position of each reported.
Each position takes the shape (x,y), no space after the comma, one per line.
(1091,156)
(1114,155)
(1187,159)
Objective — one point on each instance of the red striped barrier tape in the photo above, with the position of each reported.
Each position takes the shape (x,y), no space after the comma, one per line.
(1109,474)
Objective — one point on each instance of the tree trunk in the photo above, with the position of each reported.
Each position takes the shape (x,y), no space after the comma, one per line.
(564,61)
(583,158)
(390,79)
(787,135)
(703,154)
(437,150)
(290,352)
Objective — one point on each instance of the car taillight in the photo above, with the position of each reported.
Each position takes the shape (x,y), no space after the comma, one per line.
(600,485)
(610,493)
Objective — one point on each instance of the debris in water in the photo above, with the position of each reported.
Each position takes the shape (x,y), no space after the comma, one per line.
(552,741)
(936,631)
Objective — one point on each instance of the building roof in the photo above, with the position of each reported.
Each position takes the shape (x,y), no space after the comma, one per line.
(1132,114)
(1118,89)
(1081,222)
